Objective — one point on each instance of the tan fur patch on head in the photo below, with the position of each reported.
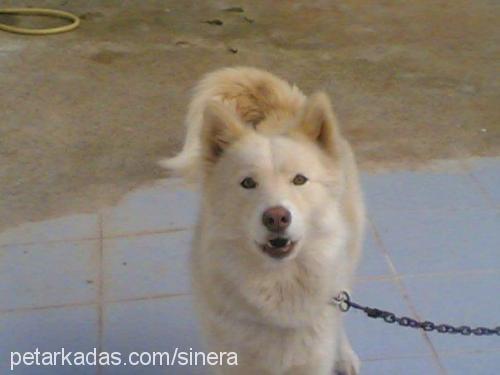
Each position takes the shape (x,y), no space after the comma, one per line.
(259,103)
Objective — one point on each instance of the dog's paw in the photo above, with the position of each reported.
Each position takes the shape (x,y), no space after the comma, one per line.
(349,364)
(343,368)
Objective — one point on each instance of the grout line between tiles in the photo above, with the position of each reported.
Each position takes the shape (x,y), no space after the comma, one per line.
(482,190)
(443,353)
(100,291)
(31,243)
(406,297)
(469,208)
(47,307)
(382,249)
(147,233)
(452,273)
(452,353)
(147,298)
(426,337)
(101,237)
(366,279)
(79,304)
(391,358)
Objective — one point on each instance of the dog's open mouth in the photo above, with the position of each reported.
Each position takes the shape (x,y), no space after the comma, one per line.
(278,247)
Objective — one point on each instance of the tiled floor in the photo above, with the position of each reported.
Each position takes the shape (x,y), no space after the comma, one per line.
(119,280)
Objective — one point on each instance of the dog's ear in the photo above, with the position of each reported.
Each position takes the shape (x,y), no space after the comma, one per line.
(220,129)
(318,123)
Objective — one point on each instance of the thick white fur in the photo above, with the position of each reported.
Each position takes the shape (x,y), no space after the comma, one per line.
(274,313)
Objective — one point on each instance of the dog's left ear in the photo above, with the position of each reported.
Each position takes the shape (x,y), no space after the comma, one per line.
(221,128)
(318,123)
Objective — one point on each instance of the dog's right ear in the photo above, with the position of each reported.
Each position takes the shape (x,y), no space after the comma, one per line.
(319,124)
(220,129)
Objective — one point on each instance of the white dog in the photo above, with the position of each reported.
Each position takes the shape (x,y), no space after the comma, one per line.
(280,227)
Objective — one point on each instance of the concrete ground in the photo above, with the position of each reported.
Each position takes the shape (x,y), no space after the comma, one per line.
(94,239)
(86,114)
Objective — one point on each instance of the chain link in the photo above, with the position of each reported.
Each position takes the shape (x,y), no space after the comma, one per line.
(344,303)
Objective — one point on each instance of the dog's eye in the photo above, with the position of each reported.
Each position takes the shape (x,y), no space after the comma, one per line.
(248,183)
(299,179)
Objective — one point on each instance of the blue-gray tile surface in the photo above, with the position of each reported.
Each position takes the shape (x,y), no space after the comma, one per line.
(389,340)
(145,266)
(401,366)
(458,299)
(48,274)
(440,241)
(477,363)
(160,325)
(49,330)
(487,173)
(118,280)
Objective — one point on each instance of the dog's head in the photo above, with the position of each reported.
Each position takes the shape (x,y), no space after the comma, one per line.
(278,193)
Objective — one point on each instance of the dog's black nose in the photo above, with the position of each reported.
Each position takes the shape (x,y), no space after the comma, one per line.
(276,219)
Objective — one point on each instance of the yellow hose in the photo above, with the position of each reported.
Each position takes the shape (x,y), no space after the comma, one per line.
(75,21)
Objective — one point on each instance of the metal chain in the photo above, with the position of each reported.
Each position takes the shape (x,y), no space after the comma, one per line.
(344,303)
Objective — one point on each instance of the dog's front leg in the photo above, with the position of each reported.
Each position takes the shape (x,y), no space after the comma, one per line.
(313,367)
(240,369)
(347,362)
